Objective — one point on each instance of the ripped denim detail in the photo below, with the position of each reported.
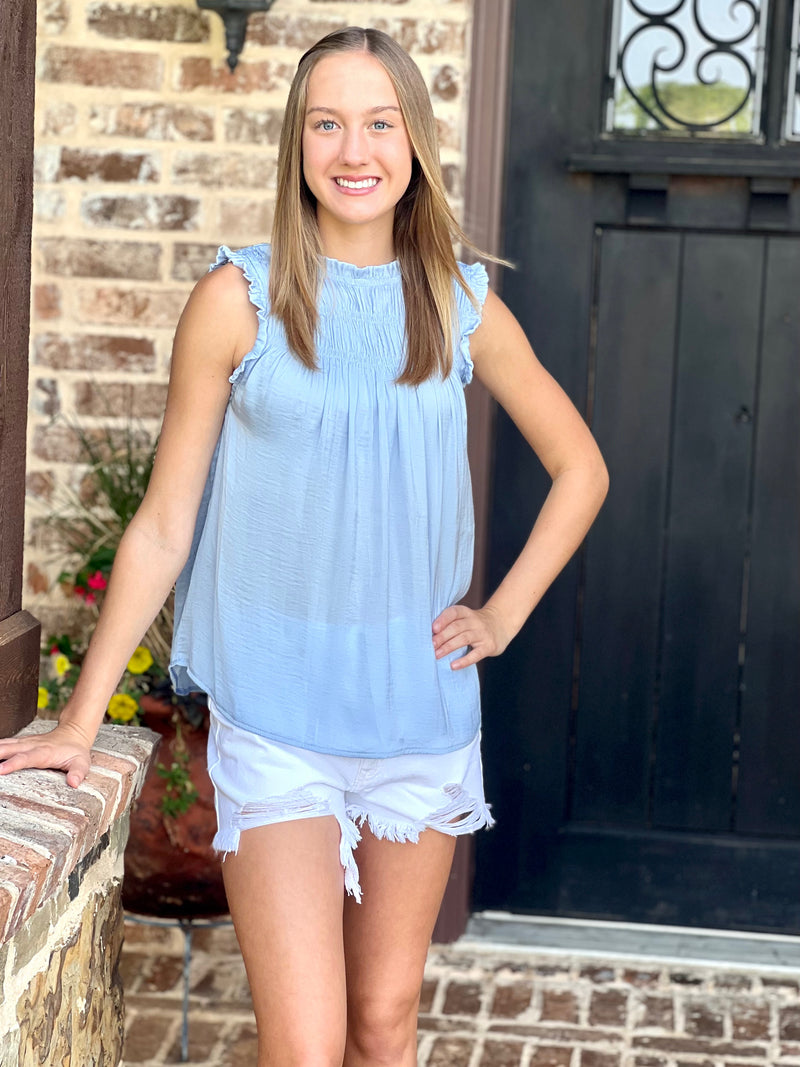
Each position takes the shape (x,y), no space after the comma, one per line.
(462,814)
(297,804)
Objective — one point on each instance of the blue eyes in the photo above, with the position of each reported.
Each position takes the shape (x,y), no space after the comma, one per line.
(328,125)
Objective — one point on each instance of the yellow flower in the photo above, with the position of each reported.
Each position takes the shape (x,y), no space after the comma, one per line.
(122,708)
(62,665)
(140,661)
(43,698)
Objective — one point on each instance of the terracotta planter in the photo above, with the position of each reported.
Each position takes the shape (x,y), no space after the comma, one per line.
(170,868)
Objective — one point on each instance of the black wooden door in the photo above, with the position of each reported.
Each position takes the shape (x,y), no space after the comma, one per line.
(643,732)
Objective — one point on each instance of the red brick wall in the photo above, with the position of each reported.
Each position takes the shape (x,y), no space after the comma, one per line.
(148,155)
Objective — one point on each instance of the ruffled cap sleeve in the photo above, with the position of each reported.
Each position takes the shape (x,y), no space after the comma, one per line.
(469,317)
(254,264)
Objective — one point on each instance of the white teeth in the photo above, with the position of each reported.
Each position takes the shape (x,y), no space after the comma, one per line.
(365,183)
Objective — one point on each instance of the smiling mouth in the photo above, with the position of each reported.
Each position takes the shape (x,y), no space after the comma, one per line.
(362,183)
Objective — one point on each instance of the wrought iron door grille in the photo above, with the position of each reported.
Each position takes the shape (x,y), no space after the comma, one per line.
(687,68)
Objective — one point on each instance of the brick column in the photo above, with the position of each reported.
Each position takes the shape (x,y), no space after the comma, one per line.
(61,853)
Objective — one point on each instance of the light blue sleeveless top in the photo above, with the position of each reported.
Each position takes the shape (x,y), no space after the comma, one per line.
(336,524)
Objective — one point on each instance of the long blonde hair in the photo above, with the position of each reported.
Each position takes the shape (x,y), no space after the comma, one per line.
(425,228)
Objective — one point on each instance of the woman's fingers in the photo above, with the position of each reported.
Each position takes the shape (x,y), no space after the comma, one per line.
(455,638)
(24,753)
(77,770)
(458,627)
(470,657)
(453,629)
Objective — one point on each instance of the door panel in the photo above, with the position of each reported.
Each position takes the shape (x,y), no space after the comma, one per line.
(637,314)
(768,800)
(707,529)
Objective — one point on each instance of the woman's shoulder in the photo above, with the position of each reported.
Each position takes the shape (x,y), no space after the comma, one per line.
(236,290)
(251,277)
(252,259)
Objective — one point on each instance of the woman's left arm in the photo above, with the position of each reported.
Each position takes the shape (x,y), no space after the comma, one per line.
(505,363)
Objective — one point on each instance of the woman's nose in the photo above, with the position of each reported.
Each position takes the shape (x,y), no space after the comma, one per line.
(354,147)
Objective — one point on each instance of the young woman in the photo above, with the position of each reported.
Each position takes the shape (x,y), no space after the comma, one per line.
(311,490)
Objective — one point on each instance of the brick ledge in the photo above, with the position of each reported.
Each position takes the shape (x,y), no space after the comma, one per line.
(47,827)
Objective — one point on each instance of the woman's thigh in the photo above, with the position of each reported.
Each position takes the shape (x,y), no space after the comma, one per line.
(387,936)
(285,891)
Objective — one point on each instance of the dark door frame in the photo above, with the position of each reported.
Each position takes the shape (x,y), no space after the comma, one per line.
(483,194)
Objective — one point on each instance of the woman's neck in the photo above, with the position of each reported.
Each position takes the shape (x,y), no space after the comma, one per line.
(363,246)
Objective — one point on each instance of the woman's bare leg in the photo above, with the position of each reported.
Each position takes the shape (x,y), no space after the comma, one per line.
(285,887)
(386,942)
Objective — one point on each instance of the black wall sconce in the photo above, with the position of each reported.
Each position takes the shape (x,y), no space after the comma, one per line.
(234,14)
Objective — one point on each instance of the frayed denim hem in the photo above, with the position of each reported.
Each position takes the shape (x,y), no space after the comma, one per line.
(463,814)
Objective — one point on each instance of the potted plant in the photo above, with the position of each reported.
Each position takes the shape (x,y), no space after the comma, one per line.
(170,867)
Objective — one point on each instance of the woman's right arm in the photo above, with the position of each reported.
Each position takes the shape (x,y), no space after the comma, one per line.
(217,328)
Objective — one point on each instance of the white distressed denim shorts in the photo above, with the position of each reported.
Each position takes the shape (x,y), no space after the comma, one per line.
(258,782)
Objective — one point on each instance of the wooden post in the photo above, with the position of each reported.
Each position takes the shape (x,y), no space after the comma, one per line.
(19,631)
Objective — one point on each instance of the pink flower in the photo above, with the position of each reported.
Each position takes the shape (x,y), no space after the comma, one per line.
(79,591)
(90,598)
(54,650)
(97,581)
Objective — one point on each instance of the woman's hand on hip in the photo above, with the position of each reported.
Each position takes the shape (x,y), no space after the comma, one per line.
(479,630)
(65,748)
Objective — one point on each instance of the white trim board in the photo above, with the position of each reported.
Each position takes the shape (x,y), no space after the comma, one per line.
(618,941)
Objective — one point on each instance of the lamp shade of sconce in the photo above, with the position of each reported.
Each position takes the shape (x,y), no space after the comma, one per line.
(234,14)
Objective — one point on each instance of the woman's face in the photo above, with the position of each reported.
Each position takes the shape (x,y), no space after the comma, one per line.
(356,151)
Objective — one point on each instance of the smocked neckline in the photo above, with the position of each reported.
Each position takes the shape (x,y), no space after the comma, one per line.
(381,272)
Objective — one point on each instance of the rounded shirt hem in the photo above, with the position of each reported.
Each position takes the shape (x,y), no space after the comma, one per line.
(326,750)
